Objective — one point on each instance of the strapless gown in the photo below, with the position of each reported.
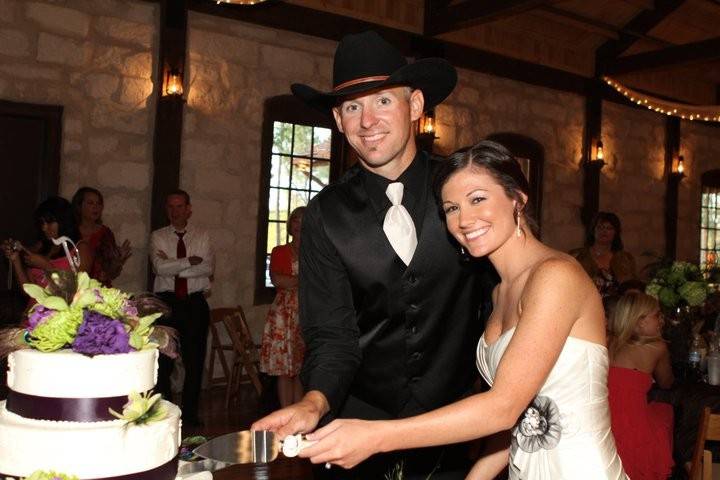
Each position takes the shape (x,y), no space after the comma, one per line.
(565,433)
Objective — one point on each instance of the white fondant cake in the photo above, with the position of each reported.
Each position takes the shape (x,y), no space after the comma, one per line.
(86,449)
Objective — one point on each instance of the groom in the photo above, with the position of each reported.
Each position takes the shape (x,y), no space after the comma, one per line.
(390,312)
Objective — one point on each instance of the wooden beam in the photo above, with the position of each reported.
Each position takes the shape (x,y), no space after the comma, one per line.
(675,55)
(591,166)
(169,112)
(641,23)
(608,29)
(672,149)
(473,12)
(573,21)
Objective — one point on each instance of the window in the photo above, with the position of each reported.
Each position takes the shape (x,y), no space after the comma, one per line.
(710,220)
(299,145)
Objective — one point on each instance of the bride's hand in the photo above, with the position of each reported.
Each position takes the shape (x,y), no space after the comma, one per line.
(344,442)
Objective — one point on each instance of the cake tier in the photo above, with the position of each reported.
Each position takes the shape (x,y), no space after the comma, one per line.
(88,450)
(66,374)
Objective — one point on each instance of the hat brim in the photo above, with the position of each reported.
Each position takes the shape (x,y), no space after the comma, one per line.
(435,77)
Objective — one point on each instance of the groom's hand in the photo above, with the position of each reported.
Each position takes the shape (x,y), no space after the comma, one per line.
(300,417)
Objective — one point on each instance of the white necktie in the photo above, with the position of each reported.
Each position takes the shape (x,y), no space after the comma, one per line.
(398,225)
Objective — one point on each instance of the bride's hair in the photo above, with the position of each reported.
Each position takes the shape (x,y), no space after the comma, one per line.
(628,311)
(499,163)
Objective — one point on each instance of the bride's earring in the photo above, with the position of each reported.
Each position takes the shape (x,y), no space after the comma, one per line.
(462,251)
(518,232)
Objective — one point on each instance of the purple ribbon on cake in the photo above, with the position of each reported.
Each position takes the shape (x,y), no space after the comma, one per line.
(64,409)
(167,471)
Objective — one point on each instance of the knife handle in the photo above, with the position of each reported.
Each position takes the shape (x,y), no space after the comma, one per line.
(292,444)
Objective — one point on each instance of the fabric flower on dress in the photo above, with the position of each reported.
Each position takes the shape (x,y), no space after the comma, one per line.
(539,427)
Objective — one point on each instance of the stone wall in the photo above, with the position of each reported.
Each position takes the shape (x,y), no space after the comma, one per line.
(482,105)
(633,181)
(96,59)
(232,68)
(700,147)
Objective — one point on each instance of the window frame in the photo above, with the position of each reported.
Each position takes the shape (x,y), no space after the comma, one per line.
(287,109)
(709,179)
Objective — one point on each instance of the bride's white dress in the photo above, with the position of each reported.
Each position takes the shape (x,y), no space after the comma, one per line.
(565,433)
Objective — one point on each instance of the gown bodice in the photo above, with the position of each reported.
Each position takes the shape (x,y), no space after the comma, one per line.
(565,433)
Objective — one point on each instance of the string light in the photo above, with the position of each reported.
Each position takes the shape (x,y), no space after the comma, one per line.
(708,113)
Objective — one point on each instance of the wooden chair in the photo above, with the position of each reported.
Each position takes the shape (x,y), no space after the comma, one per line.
(709,429)
(245,355)
(218,349)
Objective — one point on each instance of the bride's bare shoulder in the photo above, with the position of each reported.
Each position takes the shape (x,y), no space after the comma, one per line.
(558,267)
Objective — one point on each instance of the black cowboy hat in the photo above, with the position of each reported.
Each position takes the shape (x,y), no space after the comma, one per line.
(366,62)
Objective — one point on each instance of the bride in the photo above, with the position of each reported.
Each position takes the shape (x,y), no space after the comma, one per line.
(543,351)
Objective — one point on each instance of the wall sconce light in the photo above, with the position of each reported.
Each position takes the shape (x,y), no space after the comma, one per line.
(173,83)
(681,165)
(599,153)
(427,122)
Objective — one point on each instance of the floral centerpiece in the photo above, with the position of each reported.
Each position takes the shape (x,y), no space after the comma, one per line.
(677,285)
(77,312)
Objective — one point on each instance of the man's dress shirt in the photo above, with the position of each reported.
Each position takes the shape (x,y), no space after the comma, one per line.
(197,243)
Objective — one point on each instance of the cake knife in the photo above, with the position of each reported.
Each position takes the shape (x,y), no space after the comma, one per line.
(247,446)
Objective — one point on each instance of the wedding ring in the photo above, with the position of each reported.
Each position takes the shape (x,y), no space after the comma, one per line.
(328,465)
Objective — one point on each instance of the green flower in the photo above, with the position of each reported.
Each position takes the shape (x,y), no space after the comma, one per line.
(668,297)
(141,331)
(56,331)
(653,289)
(112,304)
(40,475)
(141,409)
(694,293)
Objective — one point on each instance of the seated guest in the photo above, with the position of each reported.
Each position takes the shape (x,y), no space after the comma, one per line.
(54,219)
(638,355)
(603,257)
(88,204)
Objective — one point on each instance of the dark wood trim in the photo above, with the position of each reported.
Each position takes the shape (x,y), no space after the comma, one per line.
(284,108)
(471,13)
(48,183)
(167,140)
(667,57)
(711,178)
(640,24)
(169,114)
(672,149)
(593,25)
(591,167)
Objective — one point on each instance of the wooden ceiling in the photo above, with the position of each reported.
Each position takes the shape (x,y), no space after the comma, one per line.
(668,48)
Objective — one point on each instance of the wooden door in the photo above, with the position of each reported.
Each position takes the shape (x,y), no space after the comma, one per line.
(30,137)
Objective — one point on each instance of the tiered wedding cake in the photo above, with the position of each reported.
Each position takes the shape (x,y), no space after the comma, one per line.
(58,417)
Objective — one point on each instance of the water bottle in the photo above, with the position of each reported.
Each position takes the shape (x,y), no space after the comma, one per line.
(695,356)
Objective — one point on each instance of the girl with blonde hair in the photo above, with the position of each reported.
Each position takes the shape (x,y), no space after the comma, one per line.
(639,356)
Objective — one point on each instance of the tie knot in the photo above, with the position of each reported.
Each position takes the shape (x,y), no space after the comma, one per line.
(180,234)
(395,193)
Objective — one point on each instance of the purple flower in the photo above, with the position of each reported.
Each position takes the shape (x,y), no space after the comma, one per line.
(129,309)
(99,334)
(37,316)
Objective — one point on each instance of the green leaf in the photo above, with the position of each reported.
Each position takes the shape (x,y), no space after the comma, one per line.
(35,291)
(56,303)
